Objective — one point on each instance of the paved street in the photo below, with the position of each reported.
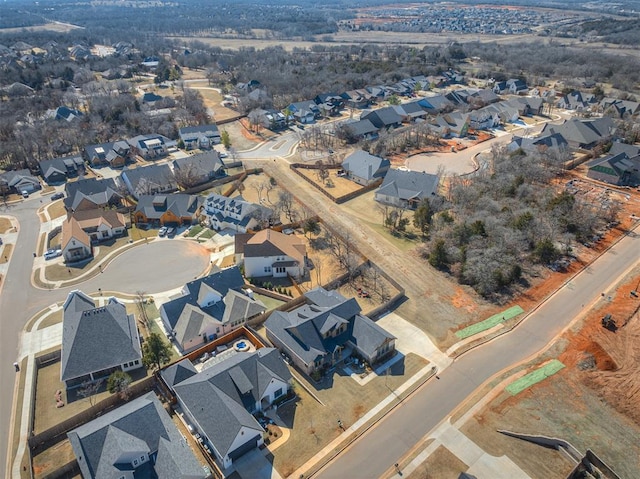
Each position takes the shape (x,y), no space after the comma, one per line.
(381,447)
(19,301)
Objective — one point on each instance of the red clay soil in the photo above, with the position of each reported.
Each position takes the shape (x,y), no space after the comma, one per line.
(609,362)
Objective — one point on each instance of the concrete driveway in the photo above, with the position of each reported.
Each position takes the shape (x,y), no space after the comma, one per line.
(254,465)
(411,339)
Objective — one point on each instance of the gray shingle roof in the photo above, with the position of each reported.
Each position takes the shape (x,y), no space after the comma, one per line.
(583,132)
(151,179)
(383,117)
(201,165)
(366,166)
(181,205)
(67,166)
(94,339)
(100,192)
(188,319)
(407,185)
(178,372)
(302,330)
(218,396)
(138,428)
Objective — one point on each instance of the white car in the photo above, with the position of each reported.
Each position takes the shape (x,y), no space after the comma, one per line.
(52,253)
(162,231)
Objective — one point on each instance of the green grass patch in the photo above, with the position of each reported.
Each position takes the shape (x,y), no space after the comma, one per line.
(207,234)
(195,229)
(534,377)
(268,301)
(489,322)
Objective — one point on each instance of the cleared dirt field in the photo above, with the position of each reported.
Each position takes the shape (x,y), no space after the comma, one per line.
(334,185)
(592,402)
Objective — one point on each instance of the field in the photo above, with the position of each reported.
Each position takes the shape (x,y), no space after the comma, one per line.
(592,402)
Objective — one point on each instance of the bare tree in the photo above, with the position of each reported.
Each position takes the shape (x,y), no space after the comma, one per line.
(140,303)
(285,204)
(89,390)
(186,176)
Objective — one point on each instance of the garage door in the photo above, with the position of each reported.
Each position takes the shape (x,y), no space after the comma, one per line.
(246,447)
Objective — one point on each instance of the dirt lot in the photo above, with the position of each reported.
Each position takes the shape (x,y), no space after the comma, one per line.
(442,464)
(592,403)
(334,185)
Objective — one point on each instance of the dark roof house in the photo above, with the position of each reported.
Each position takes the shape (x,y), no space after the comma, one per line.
(406,189)
(91,193)
(327,329)
(219,401)
(149,180)
(364,168)
(58,170)
(209,307)
(136,440)
(97,341)
(197,169)
(172,209)
(383,118)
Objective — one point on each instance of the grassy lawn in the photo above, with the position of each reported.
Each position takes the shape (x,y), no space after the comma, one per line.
(136,233)
(5,225)
(313,425)
(52,458)
(5,253)
(490,322)
(51,319)
(62,272)
(209,233)
(56,209)
(48,382)
(42,244)
(15,439)
(195,229)
(268,301)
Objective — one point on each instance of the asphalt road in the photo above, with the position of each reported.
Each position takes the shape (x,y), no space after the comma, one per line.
(19,301)
(377,450)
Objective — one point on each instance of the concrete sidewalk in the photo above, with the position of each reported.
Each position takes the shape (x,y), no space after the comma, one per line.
(479,463)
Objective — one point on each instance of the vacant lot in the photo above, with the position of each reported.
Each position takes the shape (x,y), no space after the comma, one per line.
(592,403)
(335,185)
(442,464)
(5,224)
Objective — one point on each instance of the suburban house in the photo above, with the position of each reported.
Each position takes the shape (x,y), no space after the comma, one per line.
(269,253)
(620,108)
(172,209)
(209,307)
(435,104)
(138,439)
(203,136)
(66,113)
(546,143)
(451,125)
(411,111)
(96,341)
(354,130)
(304,111)
(484,118)
(197,169)
(236,213)
(17,181)
(75,243)
(578,101)
(100,224)
(513,86)
(383,117)
(365,169)
(58,170)
(406,189)
(272,119)
(91,193)
(149,180)
(115,155)
(619,169)
(326,330)
(219,402)
(584,134)
(149,147)
(357,98)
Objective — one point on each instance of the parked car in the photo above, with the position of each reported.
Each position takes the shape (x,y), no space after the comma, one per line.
(171,231)
(52,253)
(24,193)
(57,196)
(162,231)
